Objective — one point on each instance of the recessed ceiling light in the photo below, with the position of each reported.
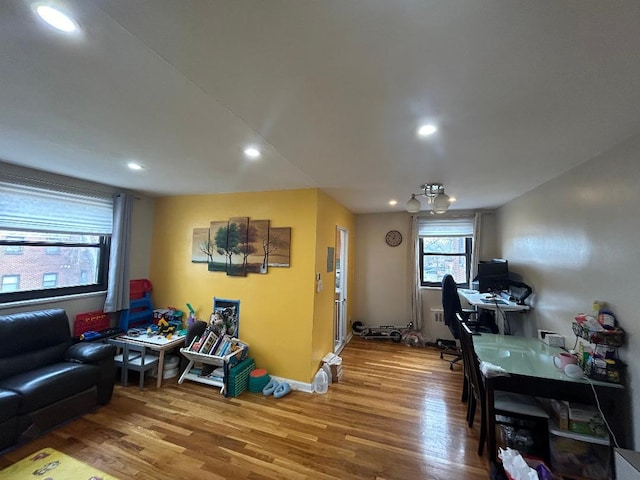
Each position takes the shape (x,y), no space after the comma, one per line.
(56,18)
(393,202)
(134,166)
(426,130)
(252,153)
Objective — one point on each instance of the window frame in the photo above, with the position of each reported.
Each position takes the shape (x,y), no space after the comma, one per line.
(11,248)
(10,275)
(467,254)
(45,280)
(104,246)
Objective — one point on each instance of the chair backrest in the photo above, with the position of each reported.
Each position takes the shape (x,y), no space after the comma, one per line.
(470,359)
(451,304)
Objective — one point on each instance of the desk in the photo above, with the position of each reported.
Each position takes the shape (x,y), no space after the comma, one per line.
(157,343)
(487,302)
(529,363)
(496,304)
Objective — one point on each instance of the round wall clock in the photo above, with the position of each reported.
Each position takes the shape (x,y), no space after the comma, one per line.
(393,238)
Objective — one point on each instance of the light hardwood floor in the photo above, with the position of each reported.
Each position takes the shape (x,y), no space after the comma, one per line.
(395,415)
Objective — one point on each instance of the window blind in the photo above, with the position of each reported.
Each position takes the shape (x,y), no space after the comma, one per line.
(29,208)
(445,227)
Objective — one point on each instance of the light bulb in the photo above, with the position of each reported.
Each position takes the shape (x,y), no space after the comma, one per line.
(413,205)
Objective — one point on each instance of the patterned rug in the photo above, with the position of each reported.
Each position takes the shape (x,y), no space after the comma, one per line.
(49,464)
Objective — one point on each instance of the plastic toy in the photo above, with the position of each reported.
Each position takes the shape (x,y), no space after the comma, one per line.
(387,332)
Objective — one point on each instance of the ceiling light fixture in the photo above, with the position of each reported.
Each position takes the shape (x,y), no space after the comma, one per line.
(56,18)
(252,153)
(393,202)
(134,166)
(436,197)
(426,130)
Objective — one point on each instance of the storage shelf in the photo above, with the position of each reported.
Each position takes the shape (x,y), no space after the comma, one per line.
(197,378)
(557,431)
(206,359)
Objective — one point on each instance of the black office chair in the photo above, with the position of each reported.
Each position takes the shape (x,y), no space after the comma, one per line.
(451,306)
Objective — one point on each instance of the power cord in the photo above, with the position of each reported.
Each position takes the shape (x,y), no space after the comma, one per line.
(604,419)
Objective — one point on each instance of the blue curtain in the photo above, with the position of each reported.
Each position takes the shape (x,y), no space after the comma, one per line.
(118,286)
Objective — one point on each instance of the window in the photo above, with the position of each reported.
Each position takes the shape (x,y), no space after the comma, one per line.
(10,283)
(445,248)
(64,240)
(13,249)
(53,250)
(49,280)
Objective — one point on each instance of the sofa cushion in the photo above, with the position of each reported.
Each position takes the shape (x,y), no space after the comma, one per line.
(31,340)
(9,404)
(8,432)
(43,386)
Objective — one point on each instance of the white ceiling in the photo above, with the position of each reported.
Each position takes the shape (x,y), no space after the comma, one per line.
(331,90)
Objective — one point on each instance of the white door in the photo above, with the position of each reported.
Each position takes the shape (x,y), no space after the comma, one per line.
(340,305)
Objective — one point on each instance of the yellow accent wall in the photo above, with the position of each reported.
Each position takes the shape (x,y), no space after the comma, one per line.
(280,315)
(331,215)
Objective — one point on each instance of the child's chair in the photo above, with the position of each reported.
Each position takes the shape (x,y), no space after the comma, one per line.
(137,358)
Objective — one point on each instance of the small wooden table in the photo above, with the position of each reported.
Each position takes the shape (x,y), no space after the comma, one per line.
(157,343)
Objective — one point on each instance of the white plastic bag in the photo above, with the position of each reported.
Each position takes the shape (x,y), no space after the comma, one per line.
(515,465)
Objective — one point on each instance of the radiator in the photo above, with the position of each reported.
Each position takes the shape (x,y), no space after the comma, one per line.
(437,328)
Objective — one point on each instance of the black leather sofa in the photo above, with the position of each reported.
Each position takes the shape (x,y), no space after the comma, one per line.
(46,378)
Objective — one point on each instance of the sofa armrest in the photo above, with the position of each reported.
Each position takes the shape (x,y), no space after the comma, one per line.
(89,352)
(101,355)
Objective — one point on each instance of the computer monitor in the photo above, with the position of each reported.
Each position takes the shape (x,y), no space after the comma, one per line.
(493,275)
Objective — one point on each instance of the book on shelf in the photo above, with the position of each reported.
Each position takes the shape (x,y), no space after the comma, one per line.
(193,341)
(215,346)
(208,342)
(223,348)
(196,344)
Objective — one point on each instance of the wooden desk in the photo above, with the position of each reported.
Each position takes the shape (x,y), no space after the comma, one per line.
(529,364)
(157,343)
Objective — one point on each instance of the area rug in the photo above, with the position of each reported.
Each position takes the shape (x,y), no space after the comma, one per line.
(49,464)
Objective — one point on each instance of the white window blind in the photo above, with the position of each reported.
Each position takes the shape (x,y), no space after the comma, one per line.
(445,227)
(29,208)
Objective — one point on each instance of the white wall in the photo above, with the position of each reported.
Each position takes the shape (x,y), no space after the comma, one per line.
(575,240)
(382,287)
(381,290)
(142,220)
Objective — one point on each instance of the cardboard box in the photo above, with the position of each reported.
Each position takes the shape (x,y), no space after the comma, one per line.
(586,419)
(335,364)
(552,339)
(560,412)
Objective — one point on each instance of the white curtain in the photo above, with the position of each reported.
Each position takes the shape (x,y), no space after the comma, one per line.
(118,285)
(414,272)
(476,245)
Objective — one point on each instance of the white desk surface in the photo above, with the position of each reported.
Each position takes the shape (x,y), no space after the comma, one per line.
(489,302)
(154,342)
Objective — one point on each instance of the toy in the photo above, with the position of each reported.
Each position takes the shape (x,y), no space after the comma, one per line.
(162,328)
(382,332)
(192,315)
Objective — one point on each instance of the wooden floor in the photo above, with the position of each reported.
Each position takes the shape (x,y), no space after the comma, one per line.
(396,414)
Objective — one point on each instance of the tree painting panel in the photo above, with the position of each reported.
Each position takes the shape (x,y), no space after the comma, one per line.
(237,246)
(279,247)
(256,260)
(201,251)
(218,232)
